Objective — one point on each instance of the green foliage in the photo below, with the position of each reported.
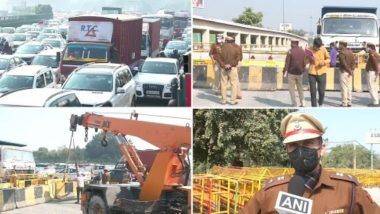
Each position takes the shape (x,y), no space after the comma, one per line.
(298,32)
(249,17)
(343,157)
(44,9)
(253,136)
(94,152)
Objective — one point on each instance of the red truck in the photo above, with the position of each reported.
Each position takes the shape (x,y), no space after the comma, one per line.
(150,44)
(107,38)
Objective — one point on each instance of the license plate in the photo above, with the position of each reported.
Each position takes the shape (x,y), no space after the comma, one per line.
(155,93)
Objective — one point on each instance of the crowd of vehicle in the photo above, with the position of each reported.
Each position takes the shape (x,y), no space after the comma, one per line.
(50,64)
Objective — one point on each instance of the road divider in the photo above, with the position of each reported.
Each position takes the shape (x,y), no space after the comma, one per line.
(17,197)
(255,75)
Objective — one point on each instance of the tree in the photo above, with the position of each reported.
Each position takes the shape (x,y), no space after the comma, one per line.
(342,157)
(298,32)
(253,136)
(249,17)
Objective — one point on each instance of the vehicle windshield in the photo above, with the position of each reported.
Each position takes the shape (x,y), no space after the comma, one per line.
(42,36)
(180,23)
(4,63)
(47,30)
(17,155)
(14,82)
(362,27)
(48,61)
(54,43)
(158,68)
(19,37)
(86,52)
(29,49)
(90,82)
(166,23)
(176,45)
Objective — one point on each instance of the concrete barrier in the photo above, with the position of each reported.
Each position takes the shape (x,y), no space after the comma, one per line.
(12,198)
(7,199)
(268,76)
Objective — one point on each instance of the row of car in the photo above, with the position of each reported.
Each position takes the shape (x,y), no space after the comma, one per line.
(93,84)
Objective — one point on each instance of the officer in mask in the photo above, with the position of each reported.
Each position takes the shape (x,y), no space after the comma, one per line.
(331,192)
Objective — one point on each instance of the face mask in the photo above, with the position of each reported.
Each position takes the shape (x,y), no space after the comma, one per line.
(304,159)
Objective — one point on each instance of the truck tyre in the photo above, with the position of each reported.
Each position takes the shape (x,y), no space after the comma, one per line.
(97,205)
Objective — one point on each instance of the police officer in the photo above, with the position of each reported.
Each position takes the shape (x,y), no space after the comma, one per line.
(214,53)
(347,66)
(229,60)
(331,192)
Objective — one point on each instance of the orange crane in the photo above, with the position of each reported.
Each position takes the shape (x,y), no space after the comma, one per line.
(170,168)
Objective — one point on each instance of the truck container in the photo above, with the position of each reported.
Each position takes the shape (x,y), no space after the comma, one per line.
(108,38)
(150,43)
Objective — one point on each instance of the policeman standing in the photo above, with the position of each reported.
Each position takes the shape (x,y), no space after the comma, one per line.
(330,192)
(214,53)
(229,60)
(347,67)
(295,66)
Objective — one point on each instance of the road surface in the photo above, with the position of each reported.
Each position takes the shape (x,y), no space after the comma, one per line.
(54,207)
(206,98)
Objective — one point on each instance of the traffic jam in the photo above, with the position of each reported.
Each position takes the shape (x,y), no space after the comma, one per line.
(110,59)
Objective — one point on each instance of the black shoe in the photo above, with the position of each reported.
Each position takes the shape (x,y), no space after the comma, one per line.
(349,105)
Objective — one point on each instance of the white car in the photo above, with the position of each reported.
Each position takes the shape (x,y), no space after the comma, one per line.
(19,39)
(156,78)
(103,84)
(49,59)
(40,97)
(25,77)
(55,43)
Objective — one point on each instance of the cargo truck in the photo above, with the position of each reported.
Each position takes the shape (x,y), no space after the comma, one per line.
(112,38)
(150,43)
(355,25)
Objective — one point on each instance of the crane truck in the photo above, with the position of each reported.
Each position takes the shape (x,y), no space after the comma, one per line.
(164,188)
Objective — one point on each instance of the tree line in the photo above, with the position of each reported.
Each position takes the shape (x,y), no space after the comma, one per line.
(253,138)
(93,152)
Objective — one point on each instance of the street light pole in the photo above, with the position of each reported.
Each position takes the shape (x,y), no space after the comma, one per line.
(283,12)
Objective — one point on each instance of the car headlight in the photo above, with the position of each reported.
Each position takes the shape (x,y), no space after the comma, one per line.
(168,86)
(138,84)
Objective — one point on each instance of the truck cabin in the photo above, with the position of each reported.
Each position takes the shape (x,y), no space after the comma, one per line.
(357,26)
(79,53)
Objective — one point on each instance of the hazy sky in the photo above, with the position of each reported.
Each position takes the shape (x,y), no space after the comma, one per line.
(348,124)
(147,6)
(297,12)
(51,127)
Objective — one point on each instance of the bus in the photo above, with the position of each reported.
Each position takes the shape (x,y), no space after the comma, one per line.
(181,22)
(167,27)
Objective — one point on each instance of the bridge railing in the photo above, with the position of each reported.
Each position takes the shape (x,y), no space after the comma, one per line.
(200,46)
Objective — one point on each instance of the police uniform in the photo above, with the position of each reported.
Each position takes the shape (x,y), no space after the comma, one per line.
(230,55)
(332,193)
(214,53)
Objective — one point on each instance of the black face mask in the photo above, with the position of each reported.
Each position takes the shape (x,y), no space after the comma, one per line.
(304,160)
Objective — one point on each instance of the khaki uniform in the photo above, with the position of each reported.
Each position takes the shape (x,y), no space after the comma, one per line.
(373,77)
(347,67)
(230,55)
(214,53)
(295,65)
(334,193)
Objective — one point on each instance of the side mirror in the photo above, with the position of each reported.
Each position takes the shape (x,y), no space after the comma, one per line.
(120,91)
(319,29)
(135,70)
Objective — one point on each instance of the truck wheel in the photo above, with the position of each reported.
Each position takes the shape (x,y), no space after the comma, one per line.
(97,205)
